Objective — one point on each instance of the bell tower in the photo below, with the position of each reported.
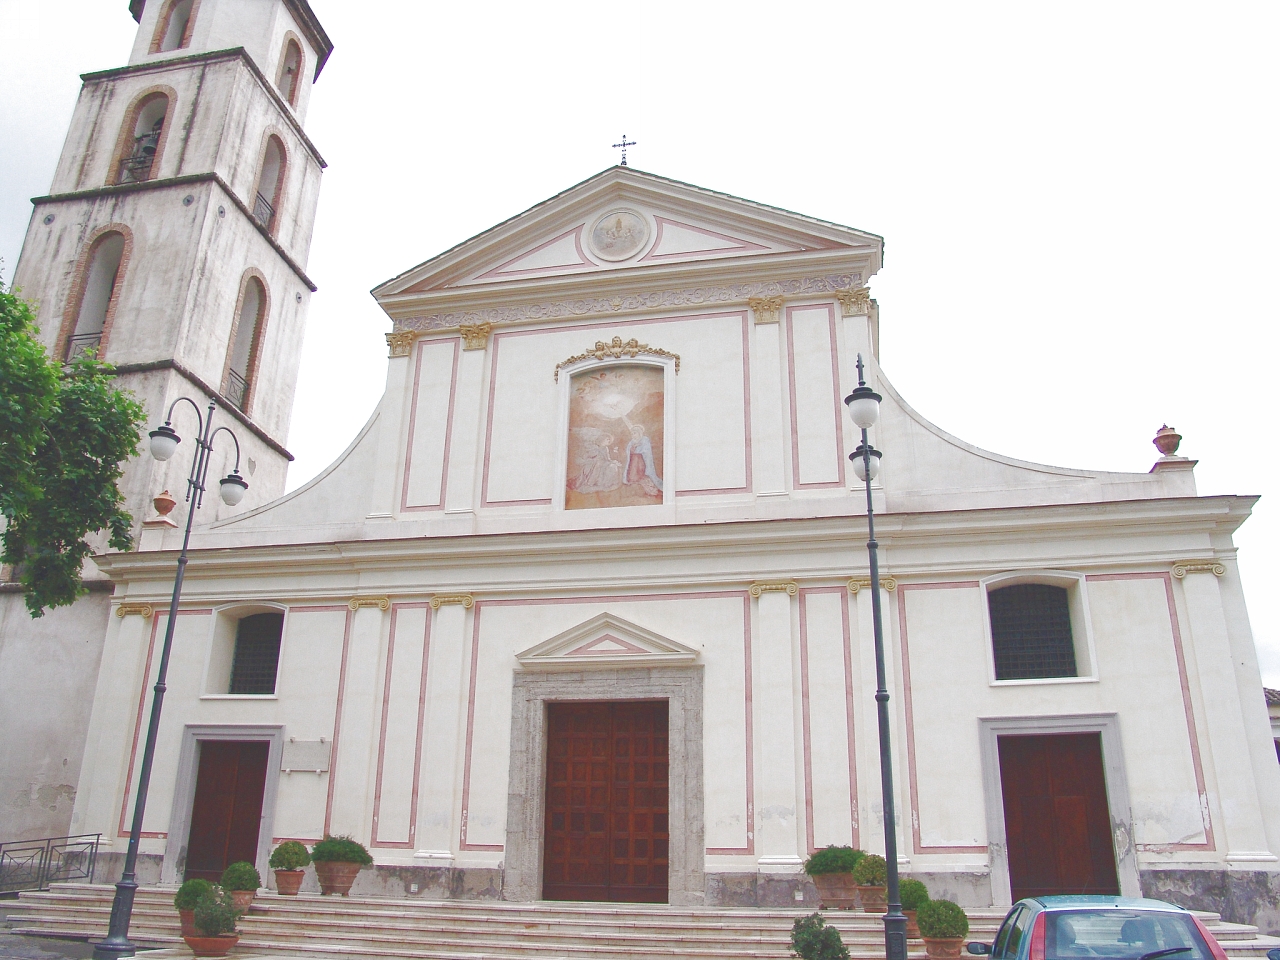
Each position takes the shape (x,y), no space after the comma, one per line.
(175,235)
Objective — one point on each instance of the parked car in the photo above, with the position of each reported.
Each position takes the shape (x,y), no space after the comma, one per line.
(1114,928)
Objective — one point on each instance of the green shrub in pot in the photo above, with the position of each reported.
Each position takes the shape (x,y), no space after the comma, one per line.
(189,893)
(871,871)
(215,913)
(913,893)
(241,875)
(942,920)
(290,855)
(833,859)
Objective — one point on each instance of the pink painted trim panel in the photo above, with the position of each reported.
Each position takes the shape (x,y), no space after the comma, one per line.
(836,401)
(405,505)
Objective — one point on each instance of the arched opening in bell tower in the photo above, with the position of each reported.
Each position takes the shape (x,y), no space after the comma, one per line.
(173,28)
(290,71)
(246,336)
(98,295)
(266,201)
(140,140)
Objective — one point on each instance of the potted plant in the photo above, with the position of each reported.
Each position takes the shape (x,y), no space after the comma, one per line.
(185,900)
(913,895)
(832,873)
(288,861)
(215,922)
(871,875)
(812,939)
(943,925)
(242,881)
(338,860)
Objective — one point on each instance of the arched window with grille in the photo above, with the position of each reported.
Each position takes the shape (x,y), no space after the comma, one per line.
(266,200)
(246,336)
(290,74)
(173,29)
(141,139)
(99,288)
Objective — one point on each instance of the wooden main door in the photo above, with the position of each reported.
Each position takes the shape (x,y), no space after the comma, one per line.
(1057,821)
(227,814)
(606,822)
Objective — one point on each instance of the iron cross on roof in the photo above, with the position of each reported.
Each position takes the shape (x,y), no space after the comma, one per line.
(624,144)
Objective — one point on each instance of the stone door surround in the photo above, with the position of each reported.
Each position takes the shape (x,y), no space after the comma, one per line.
(681,687)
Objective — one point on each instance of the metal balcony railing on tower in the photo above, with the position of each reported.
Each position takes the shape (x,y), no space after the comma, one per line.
(137,168)
(263,212)
(34,864)
(237,389)
(77,344)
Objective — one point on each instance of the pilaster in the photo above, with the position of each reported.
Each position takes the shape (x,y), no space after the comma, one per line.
(779,846)
(357,739)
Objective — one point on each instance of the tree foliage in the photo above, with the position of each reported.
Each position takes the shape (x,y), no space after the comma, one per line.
(64,435)
(812,939)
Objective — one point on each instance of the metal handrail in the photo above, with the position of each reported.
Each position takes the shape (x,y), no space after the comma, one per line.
(263,211)
(237,388)
(34,864)
(137,168)
(81,342)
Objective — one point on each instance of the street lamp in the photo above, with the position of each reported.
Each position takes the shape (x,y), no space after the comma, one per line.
(164,443)
(864,409)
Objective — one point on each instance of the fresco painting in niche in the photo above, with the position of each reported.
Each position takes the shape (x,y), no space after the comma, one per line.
(615,438)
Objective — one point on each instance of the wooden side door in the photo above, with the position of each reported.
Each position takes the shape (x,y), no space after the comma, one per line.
(606,827)
(227,813)
(1057,820)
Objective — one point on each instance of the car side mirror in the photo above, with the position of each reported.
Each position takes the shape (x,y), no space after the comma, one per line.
(1273,953)
(984,950)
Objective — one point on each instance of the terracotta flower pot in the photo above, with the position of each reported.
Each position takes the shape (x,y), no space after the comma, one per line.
(212,946)
(289,881)
(874,899)
(836,890)
(336,876)
(243,899)
(913,931)
(943,948)
(188,920)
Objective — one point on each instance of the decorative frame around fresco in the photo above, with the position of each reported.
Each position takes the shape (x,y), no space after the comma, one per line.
(668,430)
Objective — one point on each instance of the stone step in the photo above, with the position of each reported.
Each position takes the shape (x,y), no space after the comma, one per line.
(376,928)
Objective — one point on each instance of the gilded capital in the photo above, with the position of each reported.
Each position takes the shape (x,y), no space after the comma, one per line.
(1183,567)
(401,342)
(465,600)
(854,303)
(382,603)
(886,583)
(774,586)
(143,610)
(475,336)
(766,309)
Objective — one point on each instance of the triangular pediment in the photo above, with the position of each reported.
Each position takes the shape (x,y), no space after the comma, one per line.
(605,641)
(620,220)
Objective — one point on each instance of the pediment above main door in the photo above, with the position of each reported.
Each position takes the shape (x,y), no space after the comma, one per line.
(623,224)
(606,642)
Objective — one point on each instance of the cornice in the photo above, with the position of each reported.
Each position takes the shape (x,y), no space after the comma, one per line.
(223,403)
(800,548)
(218,56)
(581,306)
(117,189)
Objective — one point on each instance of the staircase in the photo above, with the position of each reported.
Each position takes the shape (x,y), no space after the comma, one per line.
(367,927)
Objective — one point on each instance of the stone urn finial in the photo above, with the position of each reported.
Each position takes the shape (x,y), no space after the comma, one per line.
(164,504)
(1167,440)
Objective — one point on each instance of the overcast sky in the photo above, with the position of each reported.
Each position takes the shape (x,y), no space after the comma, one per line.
(1079,201)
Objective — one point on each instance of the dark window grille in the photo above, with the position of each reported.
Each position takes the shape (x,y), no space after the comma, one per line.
(237,389)
(253,669)
(1031,632)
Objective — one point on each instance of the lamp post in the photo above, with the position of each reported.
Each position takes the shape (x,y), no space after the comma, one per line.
(864,408)
(164,442)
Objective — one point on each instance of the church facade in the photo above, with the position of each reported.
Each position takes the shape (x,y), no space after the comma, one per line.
(584,612)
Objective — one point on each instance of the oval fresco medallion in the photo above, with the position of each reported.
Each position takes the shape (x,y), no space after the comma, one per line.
(619,234)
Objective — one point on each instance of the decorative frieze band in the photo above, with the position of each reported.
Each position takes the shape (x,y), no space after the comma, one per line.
(617,349)
(382,603)
(774,586)
(442,599)
(855,303)
(144,610)
(1183,567)
(401,342)
(766,309)
(886,583)
(475,336)
(634,303)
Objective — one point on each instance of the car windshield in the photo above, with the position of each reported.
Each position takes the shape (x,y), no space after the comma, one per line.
(1123,935)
